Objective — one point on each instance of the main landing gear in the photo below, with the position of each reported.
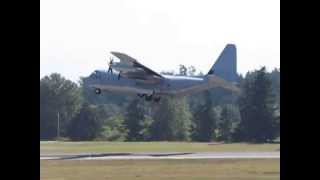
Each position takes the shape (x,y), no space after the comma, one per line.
(157,99)
(150,97)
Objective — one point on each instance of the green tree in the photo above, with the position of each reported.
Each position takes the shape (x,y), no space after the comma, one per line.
(136,112)
(183,70)
(172,120)
(183,119)
(191,71)
(205,120)
(146,125)
(114,129)
(57,95)
(86,125)
(275,79)
(229,118)
(257,106)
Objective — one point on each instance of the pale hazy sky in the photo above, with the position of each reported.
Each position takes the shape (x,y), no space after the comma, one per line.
(76,36)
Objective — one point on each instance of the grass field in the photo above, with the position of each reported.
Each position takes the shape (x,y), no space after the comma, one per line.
(105,147)
(160,169)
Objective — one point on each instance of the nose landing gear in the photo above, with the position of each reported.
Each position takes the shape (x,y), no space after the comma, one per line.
(148,97)
(97,91)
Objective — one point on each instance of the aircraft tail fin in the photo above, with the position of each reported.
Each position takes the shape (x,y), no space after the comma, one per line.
(226,65)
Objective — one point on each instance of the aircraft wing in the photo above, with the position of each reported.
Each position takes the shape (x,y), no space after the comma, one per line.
(133,65)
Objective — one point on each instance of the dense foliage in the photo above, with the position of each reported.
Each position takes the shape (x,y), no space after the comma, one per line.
(58,98)
(213,115)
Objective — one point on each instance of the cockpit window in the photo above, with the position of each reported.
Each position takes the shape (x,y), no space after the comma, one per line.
(95,74)
(98,74)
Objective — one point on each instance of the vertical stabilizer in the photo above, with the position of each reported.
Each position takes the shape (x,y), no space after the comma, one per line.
(226,65)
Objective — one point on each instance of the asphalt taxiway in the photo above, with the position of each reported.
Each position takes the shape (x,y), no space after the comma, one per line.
(172,155)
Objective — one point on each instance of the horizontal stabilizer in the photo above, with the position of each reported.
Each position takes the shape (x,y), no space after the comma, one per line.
(219,82)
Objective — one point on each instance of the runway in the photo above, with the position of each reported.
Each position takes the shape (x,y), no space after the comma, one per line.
(171,155)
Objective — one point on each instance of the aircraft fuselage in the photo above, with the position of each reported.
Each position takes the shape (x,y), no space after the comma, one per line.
(169,85)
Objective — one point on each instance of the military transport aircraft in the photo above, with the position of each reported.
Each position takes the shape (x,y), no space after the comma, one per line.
(129,76)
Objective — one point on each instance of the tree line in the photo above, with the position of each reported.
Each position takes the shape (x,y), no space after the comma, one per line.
(212,115)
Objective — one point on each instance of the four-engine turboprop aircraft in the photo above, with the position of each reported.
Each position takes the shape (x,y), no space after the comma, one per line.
(129,76)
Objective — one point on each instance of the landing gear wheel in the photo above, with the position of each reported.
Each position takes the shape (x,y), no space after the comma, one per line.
(148,98)
(141,95)
(157,99)
(97,91)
